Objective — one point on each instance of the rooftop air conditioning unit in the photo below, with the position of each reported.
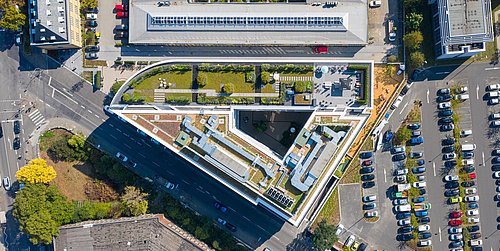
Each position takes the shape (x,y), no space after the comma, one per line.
(60,9)
(42,38)
(62,29)
(48,2)
(60,19)
(52,37)
(49,23)
(49,13)
(60,1)
(42,30)
(38,20)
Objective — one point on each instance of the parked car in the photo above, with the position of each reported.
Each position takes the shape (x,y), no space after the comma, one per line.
(16,144)
(92,48)
(448,141)
(399,157)
(449,156)
(418,199)
(93,10)
(444,98)
(424,243)
(416,133)
(471,198)
(445,113)
(220,207)
(406,229)
(422,213)
(455,223)
(91,23)
(445,120)
(121,7)
(450,163)
(446,127)
(456,237)
(397,149)
(367,162)
(403,215)
(456,244)
(91,55)
(400,202)
(369,198)
(448,149)
(121,14)
(367,177)
(471,190)
(456,214)
(17,127)
(231,227)
(424,235)
(424,220)
(444,105)
(371,214)
(414,126)
(366,155)
(417,170)
(468,183)
(467,155)
(449,178)
(469,169)
(472,212)
(495,152)
(375,3)
(365,170)
(493,101)
(455,200)
(472,205)
(369,206)
(368,184)
(91,16)
(121,157)
(416,141)
(404,237)
(416,155)
(443,91)
(451,185)
(350,241)
(451,192)
(6,183)
(403,222)
(423,228)
(473,228)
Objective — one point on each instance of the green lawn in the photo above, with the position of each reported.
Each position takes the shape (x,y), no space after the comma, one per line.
(217,79)
(182,80)
(268,89)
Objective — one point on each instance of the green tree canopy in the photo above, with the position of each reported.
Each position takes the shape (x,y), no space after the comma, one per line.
(12,18)
(324,236)
(413,40)
(417,59)
(134,201)
(413,21)
(228,88)
(300,86)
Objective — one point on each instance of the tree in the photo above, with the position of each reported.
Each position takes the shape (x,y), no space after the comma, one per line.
(12,18)
(77,143)
(228,88)
(413,21)
(413,40)
(134,201)
(202,80)
(126,98)
(300,86)
(392,59)
(265,77)
(37,171)
(324,236)
(41,227)
(417,59)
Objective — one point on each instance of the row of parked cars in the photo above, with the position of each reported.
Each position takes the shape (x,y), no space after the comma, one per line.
(493,93)
(121,30)
(368,178)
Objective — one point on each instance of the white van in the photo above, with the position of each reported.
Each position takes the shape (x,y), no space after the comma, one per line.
(468,147)
(462,97)
(465,133)
(397,102)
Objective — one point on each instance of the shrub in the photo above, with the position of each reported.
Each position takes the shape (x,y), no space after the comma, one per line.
(265,77)
(392,59)
(417,59)
(413,40)
(97,80)
(300,86)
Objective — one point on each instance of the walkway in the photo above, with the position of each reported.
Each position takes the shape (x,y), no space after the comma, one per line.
(295,78)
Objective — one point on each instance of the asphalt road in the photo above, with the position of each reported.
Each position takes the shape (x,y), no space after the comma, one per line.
(63,91)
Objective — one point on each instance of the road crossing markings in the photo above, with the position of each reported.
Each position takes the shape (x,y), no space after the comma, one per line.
(484,164)
(36,117)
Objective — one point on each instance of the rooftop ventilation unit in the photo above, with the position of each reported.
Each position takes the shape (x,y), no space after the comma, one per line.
(60,1)
(52,37)
(60,9)
(42,38)
(62,29)
(48,2)
(42,30)
(49,13)
(60,19)
(49,23)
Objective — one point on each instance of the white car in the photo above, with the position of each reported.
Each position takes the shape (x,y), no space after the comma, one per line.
(451,177)
(473,212)
(493,87)
(121,157)
(472,198)
(495,123)
(369,198)
(454,230)
(404,222)
(350,241)
(471,190)
(402,171)
(493,101)
(424,243)
(419,184)
(476,243)
(170,186)
(371,214)
(423,228)
(444,105)
(448,156)
(421,177)
(473,220)
(497,174)
(340,229)
(375,3)
(92,16)
(456,237)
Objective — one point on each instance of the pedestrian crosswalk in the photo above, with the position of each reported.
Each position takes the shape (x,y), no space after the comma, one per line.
(36,117)
(159,97)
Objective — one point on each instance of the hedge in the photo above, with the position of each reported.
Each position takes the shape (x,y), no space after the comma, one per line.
(366,84)
(288,68)
(225,68)
(97,80)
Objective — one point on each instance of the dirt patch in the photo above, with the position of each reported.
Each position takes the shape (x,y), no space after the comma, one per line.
(386,83)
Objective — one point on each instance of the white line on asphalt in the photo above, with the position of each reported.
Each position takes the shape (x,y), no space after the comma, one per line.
(144,156)
(83,107)
(434,168)
(483,158)
(111,125)
(103,120)
(97,116)
(17,164)
(489,69)
(111,135)
(439,230)
(118,130)
(406,104)
(129,147)
(67,92)
(428,101)
(185,182)
(442,72)
(89,111)
(156,164)
(53,92)
(171,173)
(385,176)
(7,155)
(126,135)
(477,91)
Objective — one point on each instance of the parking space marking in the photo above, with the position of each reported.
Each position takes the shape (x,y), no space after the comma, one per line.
(439,230)
(406,104)
(482,153)
(489,69)
(434,167)
(385,176)
(428,101)
(477,91)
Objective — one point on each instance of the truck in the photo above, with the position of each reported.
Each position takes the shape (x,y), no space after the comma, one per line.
(391,30)
(421,206)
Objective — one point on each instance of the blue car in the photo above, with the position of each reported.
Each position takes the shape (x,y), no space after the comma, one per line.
(366,155)
(417,170)
(416,141)
(473,205)
(388,136)
(420,162)
(219,206)
(422,213)
(445,113)
(401,216)
(418,200)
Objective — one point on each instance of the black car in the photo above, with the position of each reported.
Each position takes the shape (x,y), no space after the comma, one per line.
(446,120)
(444,98)
(368,184)
(91,23)
(475,235)
(495,152)
(446,127)
(469,169)
(401,216)
(1,131)
(17,127)
(414,126)
(473,228)
(445,113)
(451,185)
(468,183)
(467,155)
(448,149)
(450,163)
(399,157)
(451,193)
(422,191)
(447,141)
(456,244)
(425,235)
(497,182)
(424,220)
(405,89)
(405,229)
(495,160)
(92,48)
(366,170)
(415,155)
(367,177)
(92,10)
(231,227)
(404,237)
(17,143)
(443,91)
(369,206)
(495,168)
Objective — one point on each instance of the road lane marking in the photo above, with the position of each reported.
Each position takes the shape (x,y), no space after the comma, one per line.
(483,158)
(428,101)
(385,176)
(144,156)
(83,107)
(129,147)
(185,182)
(246,218)
(156,164)
(434,168)
(89,111)
(118,130)
(406,104)
(97,116)
(111,135)
(477,91)
(439,230)
(442,72)
(493,68)
(111,125)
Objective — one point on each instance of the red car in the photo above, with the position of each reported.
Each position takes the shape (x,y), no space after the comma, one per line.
(455,223)
(472,175)
(122,14)
(456,214)
(121,7)
(367,163)
(320,50)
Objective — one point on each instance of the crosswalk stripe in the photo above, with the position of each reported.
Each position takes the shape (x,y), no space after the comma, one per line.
(33,113)
(40,122)
(39,115)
